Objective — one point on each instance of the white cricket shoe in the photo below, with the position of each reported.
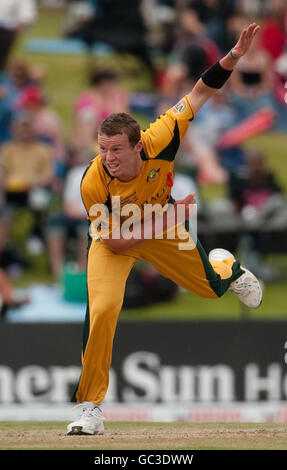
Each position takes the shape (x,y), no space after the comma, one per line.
(247,287)
(89,422)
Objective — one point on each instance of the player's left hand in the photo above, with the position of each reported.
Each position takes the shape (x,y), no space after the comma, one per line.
(244,41)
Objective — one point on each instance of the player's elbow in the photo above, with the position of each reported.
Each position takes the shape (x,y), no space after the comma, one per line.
(118,246)
(116,249)
(115,246)
(200,94)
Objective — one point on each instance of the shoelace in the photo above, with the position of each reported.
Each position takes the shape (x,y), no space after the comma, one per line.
(243,286)
(88,411)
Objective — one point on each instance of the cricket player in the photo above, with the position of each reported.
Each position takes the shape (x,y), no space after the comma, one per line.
(136,168)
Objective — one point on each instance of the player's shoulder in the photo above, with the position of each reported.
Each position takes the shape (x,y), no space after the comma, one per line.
(94,168)
(162,138)
(95,174)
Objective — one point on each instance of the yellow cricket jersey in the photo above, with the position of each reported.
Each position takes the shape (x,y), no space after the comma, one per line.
(154,182)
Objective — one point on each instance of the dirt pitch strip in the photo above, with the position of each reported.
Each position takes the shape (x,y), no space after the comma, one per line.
(128,436)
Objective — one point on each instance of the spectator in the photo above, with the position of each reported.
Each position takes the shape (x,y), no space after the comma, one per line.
(12,82)
(192,53)
(251,82)
(255,185)
(48,126)
(9,298)
(191,30)
(79,15)
(164,15)
(234,25)
(254,9)
(26,165)
(181,75)
(256,195)
(200,143)
(274,28)
(71,222)
(120,24)
(274,40)
(280,92)
(103,96)
(38,74)
(12,261)
(214,15)
(15,16)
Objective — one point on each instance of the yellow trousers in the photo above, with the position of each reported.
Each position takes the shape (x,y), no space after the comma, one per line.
(106,279)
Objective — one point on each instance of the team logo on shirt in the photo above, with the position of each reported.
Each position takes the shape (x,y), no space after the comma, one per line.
(153,175)
(179,107)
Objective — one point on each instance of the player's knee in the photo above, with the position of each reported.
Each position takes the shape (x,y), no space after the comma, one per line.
(107,308)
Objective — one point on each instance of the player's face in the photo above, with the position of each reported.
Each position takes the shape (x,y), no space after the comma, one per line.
(119,157)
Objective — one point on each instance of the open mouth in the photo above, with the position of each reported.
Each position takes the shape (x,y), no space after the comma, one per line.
(113,166)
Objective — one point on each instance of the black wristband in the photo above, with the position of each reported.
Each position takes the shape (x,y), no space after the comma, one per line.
(215,76)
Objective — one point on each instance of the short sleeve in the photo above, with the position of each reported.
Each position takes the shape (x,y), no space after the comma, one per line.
(161,140)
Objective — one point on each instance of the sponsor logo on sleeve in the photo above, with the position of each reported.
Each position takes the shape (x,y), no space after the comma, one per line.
(179,107)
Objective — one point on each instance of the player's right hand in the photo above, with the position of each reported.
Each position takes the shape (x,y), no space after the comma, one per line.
(187,202)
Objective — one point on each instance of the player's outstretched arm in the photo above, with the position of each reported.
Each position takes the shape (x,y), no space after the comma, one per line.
(215,77)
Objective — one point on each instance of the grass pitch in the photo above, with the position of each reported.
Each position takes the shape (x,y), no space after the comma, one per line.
(146,436)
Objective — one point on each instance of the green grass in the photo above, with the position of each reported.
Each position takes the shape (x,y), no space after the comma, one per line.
(190,307)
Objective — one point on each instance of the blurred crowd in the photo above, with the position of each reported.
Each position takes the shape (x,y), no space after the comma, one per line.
(175,41)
